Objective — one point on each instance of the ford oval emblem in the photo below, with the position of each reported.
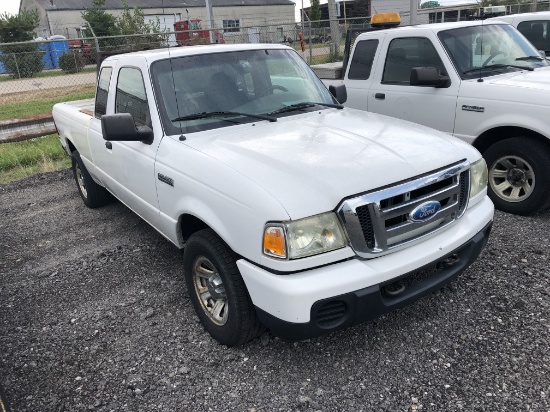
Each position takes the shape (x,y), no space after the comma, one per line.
(425,211)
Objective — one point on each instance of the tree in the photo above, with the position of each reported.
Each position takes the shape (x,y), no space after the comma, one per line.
(315,13)
(430,4)
(101,22)
(132,21)
(21,60)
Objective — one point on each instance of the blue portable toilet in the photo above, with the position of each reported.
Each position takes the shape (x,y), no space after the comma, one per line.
(57,48)
(44,48)
(2,67)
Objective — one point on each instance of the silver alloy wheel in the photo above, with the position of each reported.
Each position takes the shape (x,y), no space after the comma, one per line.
(80,181)
(210,290)
(512,179)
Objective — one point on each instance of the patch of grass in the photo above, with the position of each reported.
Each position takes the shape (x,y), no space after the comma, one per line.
(18,173)
(327,58)
(38,103)
(48,73)
(21,159)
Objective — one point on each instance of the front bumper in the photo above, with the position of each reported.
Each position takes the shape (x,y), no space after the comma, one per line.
(306,304)
(362,305)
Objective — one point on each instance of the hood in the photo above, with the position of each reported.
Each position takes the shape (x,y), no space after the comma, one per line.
(310,162)
(538,79)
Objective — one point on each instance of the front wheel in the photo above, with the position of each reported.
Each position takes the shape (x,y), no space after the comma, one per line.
(217,290)
(92,194)
(519,175)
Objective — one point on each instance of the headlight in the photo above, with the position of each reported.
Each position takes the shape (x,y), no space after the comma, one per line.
(304,237)
(478,177)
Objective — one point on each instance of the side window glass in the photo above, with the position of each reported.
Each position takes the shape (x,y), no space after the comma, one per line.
(102,92)
(131,97)
(537,33)
(361,62)
(404,54)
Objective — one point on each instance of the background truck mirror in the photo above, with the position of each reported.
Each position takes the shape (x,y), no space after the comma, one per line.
(339,92)
(428,76)
(121,127)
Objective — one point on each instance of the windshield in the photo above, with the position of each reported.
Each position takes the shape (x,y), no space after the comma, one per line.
(233,84)
(486,50)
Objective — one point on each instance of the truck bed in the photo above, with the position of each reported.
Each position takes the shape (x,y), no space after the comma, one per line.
(72,120)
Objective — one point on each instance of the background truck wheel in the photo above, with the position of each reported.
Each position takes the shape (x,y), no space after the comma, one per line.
(519,175)
(217,290)
(91,193)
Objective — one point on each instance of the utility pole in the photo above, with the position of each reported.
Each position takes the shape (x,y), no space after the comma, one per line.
(209,17)
(334,27)
(302,17)
(414,12)
(534,6)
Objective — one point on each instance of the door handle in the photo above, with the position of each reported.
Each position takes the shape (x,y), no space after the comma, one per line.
(380,96)
(108,145)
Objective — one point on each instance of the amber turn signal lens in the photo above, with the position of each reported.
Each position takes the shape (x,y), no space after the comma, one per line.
(274,242)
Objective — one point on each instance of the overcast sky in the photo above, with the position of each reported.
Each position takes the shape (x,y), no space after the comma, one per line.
(12,6)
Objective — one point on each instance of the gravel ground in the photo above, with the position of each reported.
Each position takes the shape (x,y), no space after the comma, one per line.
(94,315)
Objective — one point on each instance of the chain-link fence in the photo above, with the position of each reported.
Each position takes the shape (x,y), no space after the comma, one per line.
(59,68)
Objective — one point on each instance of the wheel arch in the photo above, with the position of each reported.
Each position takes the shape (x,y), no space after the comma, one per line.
(189,224)
(496,134)
(70,146)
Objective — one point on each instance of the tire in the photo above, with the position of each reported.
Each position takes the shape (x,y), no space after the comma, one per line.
(217,290)
(92,194)
(519,175)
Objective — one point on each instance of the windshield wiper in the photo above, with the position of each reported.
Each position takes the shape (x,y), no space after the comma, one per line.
(525,58)
(304,105)
(205,115)
(497,66)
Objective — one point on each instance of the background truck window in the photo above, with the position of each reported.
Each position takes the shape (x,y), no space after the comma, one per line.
(363,56)
(130,95)
(404,54)
(102,91)
(537,33)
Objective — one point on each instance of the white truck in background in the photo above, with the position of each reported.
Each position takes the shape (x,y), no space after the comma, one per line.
(294,213)
(534,26)
(480,81)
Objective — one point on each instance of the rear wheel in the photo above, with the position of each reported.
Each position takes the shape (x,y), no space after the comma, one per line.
(217,290)
(92,194)
(519,175)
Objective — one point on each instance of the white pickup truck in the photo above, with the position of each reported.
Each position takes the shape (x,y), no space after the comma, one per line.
(294,213)
(481,82)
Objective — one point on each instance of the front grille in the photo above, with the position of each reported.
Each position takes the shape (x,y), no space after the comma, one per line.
(381,221)
(331,313)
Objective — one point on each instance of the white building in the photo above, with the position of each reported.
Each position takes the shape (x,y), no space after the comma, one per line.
(64,17)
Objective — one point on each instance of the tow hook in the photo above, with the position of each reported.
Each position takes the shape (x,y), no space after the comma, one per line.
(395,289)
(448,262)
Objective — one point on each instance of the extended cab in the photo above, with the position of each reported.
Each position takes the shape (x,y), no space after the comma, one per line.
(294,213)
(481,82)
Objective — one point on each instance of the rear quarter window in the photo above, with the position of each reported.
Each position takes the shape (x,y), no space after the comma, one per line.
(361,62)
(102,91)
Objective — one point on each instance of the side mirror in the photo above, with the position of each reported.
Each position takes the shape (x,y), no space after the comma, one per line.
(121,127)
(339,92)
(542,53)
(429,77)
